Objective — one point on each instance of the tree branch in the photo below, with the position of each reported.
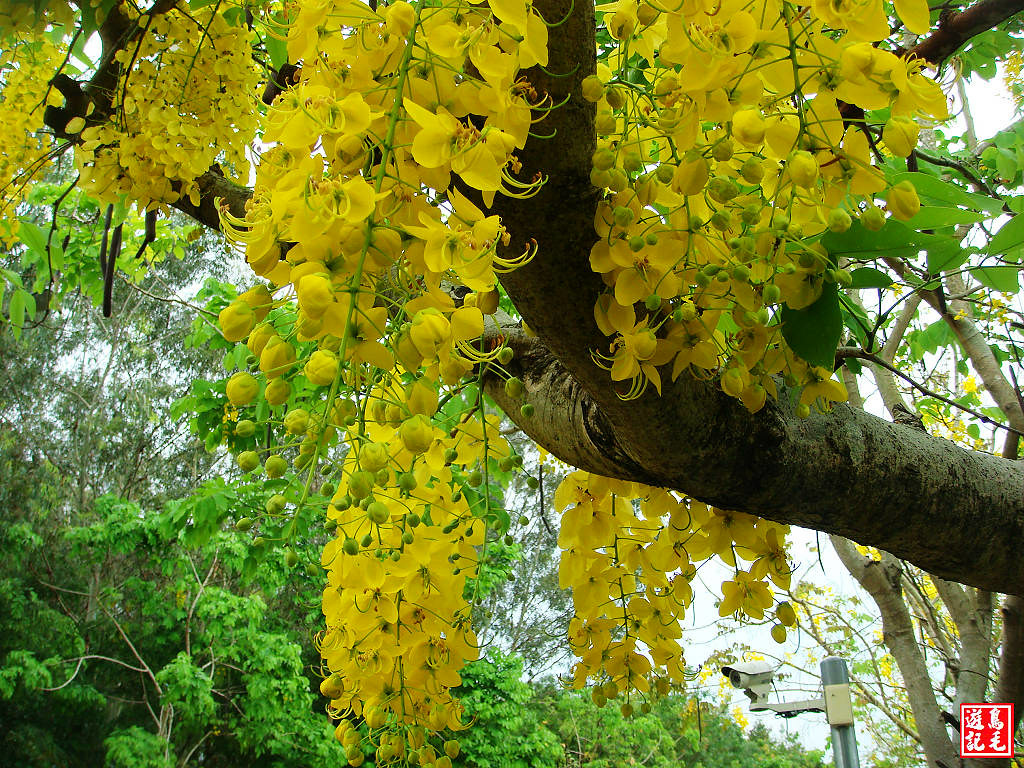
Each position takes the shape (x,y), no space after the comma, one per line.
(956,28)
(955,513)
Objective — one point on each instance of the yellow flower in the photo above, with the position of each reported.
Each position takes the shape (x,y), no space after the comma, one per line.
(236,320)
(322,367)
(818,383)
(242,389)
(900,135)
(417,434)
(747,594)
(277,357)
(865,19)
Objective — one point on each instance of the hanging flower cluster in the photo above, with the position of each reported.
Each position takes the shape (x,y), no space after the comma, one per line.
(27,60)
(360,346)
(185,101)
(629,553)
(732,135)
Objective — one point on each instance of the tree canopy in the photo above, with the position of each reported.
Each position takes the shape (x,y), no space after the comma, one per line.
(662,239)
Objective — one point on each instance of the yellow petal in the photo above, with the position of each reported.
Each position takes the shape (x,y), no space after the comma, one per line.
(467,323)
(914,14)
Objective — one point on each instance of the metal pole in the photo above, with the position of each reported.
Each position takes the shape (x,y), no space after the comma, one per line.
(839,711)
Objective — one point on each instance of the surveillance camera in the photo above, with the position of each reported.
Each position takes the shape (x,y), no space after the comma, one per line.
(754,678)
(749,674)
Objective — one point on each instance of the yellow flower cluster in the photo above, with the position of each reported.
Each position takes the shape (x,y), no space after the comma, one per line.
(22,90)
(724,162)
(628,555)
(185,101)
(389,110)
(405,542)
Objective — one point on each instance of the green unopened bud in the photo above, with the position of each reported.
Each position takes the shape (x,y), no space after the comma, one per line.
(616,97)
(593,88)
(603,159)
(722,189)
(872,219)
(722,151)
(514,388)
(622,216)
(839,220)
(752,171)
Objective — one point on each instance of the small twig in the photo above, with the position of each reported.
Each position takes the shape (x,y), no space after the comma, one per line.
(963,170)
(167,299)
(847,352)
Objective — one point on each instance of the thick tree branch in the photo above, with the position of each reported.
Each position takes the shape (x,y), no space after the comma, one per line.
(957,28)
(955,513)
(215,191)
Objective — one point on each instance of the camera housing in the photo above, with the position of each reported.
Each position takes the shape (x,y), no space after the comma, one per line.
(754,678)
(749,673)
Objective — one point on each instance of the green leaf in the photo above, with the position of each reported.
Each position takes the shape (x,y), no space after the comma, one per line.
(933,190)
(867,277)
(946,253)
(1006,163)
(814,332)
(855,320)
(1002,279)
(934,217)
(21,300)
(33,237)
(936,335)
(894,239)
(277,50)
(1009,240)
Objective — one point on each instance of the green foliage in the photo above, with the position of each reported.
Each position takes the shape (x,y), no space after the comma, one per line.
(519,725)
(507,732)
(670,734)
(136,747)
(115,605)
(813,332)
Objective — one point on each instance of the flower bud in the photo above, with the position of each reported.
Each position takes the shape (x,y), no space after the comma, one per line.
(236,320)
(242,389)
(803,169)
(416,434)
(322,367)
(900,135)
(748,126)
(903,201)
